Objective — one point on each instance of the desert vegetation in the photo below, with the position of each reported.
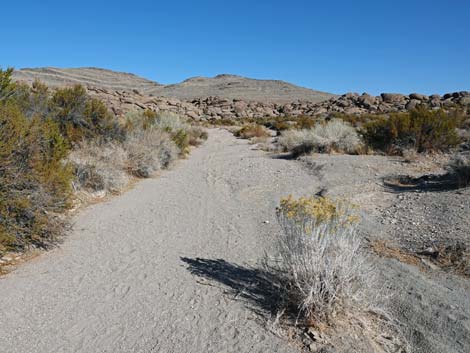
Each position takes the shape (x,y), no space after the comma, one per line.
(57,143)
(322,272)
(420,129)
(252,131)
(318,259)
(331,136)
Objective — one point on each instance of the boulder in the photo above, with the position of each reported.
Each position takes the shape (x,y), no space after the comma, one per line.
(413,103)
(392,97)
(465,100)
(418,96)
(366,100)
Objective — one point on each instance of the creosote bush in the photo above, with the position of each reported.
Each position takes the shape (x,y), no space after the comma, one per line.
(419,129)
(318,260)
(252,130)
(332,136)
(35,182)
(81,117)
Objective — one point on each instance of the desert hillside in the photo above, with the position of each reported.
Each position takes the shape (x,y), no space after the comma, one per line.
(229,96)
(223,86)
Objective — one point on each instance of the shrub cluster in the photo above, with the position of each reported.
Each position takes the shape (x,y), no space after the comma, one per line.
(252,130)
(53,143)
(332,136)
(419,129)
(35,182)
(151,142)
(318,259)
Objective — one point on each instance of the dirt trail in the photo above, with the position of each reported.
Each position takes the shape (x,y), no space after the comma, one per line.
(120,281)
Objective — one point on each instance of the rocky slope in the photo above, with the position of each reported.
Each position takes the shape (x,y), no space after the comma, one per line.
(229,96)
(213,108)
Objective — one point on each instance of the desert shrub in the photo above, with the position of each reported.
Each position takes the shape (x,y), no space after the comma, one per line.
(459,167)
(169,122)
(197,135)
(141,120)
(281,125)
(7,87)
(81,117)
(35,183)
(332,136)
(99,166)
(252,130)
(223,122)
(419,129)
(318,260)
(149,151)
(304,122)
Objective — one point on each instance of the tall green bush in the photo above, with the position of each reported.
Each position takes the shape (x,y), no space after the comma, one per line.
(420,129)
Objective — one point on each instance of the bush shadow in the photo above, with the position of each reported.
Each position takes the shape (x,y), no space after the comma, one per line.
(431,182)
(257,287)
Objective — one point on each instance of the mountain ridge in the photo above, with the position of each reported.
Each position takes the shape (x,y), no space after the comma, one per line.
(224,85)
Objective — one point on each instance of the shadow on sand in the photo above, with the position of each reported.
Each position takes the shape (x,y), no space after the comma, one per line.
(255,286)
(405,183)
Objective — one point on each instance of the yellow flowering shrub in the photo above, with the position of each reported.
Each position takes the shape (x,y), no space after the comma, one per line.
(319,209)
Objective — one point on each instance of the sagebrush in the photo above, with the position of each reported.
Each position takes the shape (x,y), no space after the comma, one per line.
(327,137)
(318,260)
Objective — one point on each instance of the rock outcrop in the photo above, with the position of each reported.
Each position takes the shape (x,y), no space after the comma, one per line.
(229,96)
(214,108)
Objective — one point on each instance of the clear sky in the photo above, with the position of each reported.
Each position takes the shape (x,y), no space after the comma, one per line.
(335,46)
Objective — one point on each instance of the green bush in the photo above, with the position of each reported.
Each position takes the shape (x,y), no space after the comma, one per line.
(420,129)
(35,183)
(7,87)
(80,117)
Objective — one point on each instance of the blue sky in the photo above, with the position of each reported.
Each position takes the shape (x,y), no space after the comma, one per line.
(335,46)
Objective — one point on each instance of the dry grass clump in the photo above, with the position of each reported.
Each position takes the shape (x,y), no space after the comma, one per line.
(332,136)
(149,151)
(100,167)
(251,131)
(182,134)
(197,135)
(321,268)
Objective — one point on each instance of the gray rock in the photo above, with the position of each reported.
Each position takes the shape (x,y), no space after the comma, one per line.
(392,97)
(413,103)
(418,96)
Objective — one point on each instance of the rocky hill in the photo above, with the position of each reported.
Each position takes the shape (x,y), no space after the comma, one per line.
(88,77)
(222,86)
(229,96)
(213,108)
